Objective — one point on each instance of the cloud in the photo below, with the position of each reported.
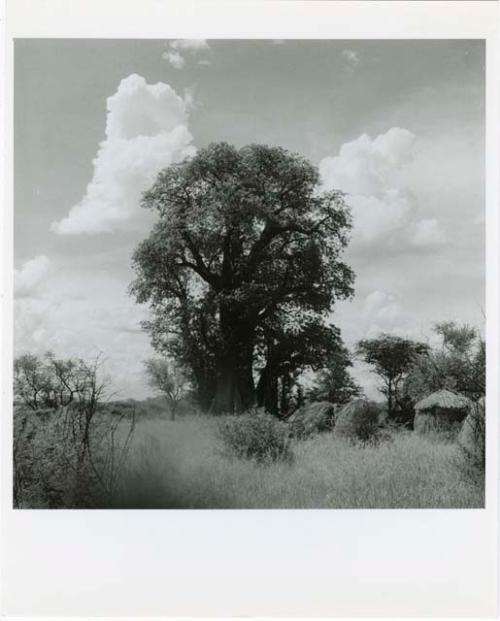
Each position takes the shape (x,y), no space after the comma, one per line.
(189,98)
(371,313)
(428,233)
(385,212)
(382,312)
(352,59)
(146,131)
(29,280)
(174,58)
(191,46)
(80,315)
(366,166)
(377,219)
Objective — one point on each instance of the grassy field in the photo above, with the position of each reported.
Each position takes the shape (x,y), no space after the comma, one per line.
(181,464)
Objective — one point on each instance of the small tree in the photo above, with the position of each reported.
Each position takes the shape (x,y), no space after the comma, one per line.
(169,380)
(392,357)
(459,364)
(32,381)
(49,382)
(334,383)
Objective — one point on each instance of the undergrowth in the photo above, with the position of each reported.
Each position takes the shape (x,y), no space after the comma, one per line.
(181,465)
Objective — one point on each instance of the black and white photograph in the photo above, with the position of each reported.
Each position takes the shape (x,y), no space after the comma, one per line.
(250,302)
(249,274)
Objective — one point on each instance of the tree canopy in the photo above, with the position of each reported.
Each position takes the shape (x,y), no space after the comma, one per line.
(459,363)
(50,382)
(334,383)
(245,253)
(392,358)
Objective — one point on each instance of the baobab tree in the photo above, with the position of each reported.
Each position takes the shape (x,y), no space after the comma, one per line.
(247,235)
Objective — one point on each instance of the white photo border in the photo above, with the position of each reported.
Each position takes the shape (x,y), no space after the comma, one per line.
(254,563)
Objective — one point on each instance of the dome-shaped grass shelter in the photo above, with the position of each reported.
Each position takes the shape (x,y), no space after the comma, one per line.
(472,438)
(359,419)
(441,411)
(312,418)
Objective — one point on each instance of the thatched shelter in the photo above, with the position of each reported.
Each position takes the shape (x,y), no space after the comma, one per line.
(441,411)
(360,418)
(472,438)
(312,418)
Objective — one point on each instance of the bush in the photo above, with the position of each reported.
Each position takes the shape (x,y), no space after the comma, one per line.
(256,435)
(60,462)
(358,422)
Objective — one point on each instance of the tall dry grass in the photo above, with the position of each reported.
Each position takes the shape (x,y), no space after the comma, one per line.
(180,464)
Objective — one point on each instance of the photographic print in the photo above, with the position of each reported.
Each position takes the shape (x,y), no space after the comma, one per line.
(249,274)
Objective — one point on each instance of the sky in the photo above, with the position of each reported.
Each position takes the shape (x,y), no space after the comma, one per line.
(397,125)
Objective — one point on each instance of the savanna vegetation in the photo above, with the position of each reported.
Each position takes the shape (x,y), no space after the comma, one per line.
(256,404)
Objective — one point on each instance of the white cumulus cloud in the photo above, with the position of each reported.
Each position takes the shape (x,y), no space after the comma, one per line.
(30,278)
(79,315)
(370,171)
(146,131)
(377,218)
(174,58)
(177,59)
(366,166)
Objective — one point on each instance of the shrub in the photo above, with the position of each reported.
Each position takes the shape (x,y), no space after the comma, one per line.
(358,422)
(256,435)
(44,460)
(60,461)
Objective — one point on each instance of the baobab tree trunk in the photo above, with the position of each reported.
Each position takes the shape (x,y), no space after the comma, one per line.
(286,386)
(235,388)
(267,390)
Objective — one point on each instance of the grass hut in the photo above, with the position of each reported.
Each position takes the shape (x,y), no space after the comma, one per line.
(472,438)
(312,418)
(358,420)
(441,411)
